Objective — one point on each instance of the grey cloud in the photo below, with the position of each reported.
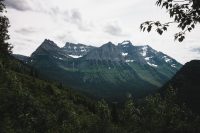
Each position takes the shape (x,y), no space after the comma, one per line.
(113,29)
(22,41)
(71,16)
(197,50)
(63,37)
(20,5)
(83,27)
(26,5)
(25,31)
(74,16)
(54,11)
(66,16)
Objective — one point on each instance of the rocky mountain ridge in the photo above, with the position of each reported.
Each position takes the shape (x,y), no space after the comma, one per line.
(110,71)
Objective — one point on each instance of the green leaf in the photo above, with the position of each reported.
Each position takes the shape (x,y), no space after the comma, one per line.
(144,29)
(149,28)
(181,38)
(189,29)
(159,31)
(164,28)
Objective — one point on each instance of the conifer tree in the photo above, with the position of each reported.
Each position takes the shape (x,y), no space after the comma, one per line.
(5,47)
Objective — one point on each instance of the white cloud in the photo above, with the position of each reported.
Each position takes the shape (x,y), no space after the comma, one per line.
(93,22)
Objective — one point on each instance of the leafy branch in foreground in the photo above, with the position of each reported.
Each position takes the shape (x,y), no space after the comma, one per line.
(185,13)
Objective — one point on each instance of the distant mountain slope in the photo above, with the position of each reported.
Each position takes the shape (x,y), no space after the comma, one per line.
(21,57)
(187,83)
(110,71)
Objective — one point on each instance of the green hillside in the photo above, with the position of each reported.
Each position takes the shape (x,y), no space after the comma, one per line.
(186,83)
(95,77)
(28,104)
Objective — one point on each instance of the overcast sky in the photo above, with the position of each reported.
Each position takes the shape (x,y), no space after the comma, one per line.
(94,22)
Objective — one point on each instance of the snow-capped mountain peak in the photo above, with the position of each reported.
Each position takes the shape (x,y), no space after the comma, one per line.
(123,52)
(155,58)
(76,50)
(126,42)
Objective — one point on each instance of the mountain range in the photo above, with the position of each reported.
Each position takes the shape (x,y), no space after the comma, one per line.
(110,71)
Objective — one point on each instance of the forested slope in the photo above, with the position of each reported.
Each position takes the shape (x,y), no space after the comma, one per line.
(28,104)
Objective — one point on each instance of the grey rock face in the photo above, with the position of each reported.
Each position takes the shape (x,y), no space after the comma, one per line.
(107,52)
(76,50)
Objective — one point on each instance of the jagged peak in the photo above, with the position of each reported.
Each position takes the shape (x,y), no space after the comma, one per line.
(146,47)
(48,45)
(125,42)
(67,44)
(108,44)
(49,42)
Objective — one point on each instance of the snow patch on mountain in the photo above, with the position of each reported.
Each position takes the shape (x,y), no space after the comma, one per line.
(166,59)
(83,50)
(128,61)
(75,56)
(147,58)
(125,42)
(151,64)
(124,54)
(144,51)
(60,58)
(173,65)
